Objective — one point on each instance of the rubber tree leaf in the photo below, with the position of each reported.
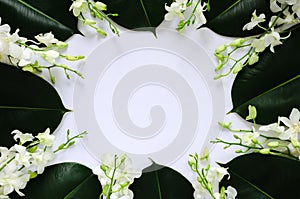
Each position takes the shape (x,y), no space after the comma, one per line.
(161,182)
(138,14)
(33,17)
(63,181)
(263,176)
(228,17)
(27,103)
(272,85)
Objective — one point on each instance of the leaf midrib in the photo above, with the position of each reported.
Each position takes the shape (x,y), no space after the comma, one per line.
(41,13)
(32,108)
(78,186)
(264,93)
(229,8)
(158,185)
(145,12)
(251,184)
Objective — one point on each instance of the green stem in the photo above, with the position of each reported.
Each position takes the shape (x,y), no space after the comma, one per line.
(69,140)
(6,163)
(112,178)
(203,179)
(235,144)
(111,24)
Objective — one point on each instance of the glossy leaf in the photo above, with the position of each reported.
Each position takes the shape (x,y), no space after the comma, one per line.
(228,17)
(138,14)
(65,180)
(161,182)
(33,17)
(27,103)
(272,85)
(263,176)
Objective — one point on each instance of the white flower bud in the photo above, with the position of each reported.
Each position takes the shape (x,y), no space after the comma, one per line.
(253,58)
(100,6)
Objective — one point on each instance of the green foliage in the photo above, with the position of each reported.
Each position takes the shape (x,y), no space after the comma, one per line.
(263,176)
(228,17)
(28,103)
(138,14)
(271,85)
(161,182)
(65,180)
(33,17)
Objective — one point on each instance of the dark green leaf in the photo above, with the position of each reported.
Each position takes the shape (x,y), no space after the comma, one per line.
(263,176)
(33,17)
(159,182)
(27,103)
(138,14)
(272,85)
(228,17)
(63,181)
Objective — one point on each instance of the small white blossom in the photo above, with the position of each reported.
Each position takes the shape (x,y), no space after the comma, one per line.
(175,10)
(272,39)
(274,6)
(4,29)
(275,130)
(123,194)
(5,154)
(292,123)
(46,138)
(296,8)
(259,44)
(200,192)
(255,20)
(78,7)
(26,57)
(40,159)
(22,157)
(231,192)
(23,137)
(47,39)
(13,180)
(251,137)
(50,56)
(119,170)
(288,2)
(199,16)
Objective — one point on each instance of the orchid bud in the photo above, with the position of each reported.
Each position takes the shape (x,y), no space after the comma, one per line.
(237,42)
(221,48)
(100,6)
(253,59)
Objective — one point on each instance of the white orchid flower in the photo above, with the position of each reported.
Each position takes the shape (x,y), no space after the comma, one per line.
(23,137)
(199,16)
(255,20)
(174,11)
(48,39)
(274,6)
(46,138)
(296,8)
(292,123)
(78,7)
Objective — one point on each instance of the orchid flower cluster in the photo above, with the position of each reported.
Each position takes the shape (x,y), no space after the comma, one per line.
(24,53)
(280,138)
(27,159)
(287,15)
(115,175)
(96,10)
(196,8)
(208,178)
